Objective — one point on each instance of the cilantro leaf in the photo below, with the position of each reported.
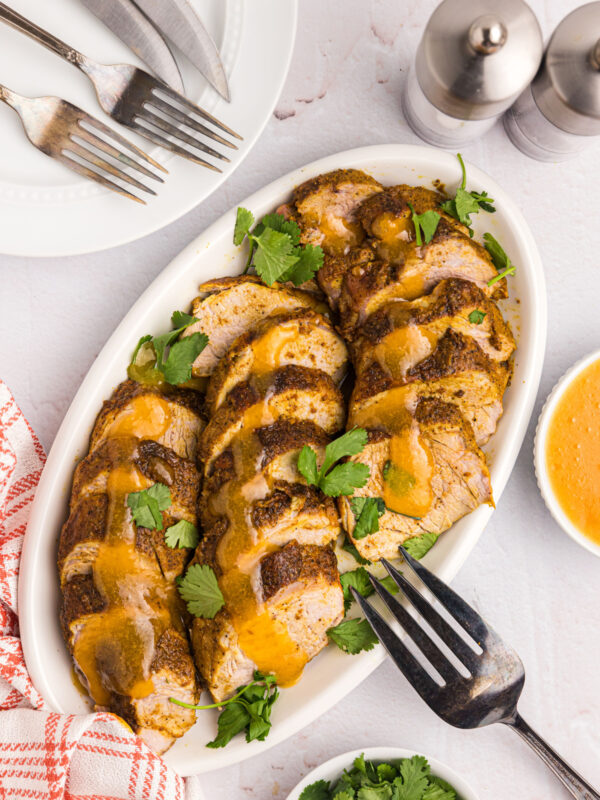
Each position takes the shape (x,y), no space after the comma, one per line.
(283,225)
(319,790)
(350,443)
(465,203)
(344,479)
(307,465)
(413,778)
(232,720)
(353,635)
(182,534)
(310,261)
(477,316)
(274,255)
(182,354)
(350,548)
(146,506)
(243,223)
(249,709)
(200,589)
(426,222)
(418,546)
(138,347)
(359,579)
(367,511)
(501,260)
(439,789)
(180,320)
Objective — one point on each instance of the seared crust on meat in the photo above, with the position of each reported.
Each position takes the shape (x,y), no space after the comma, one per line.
(296,562)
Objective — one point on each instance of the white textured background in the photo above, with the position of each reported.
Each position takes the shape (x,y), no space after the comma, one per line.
(537,586)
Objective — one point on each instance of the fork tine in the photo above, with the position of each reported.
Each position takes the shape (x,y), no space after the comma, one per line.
(446,633)
(95,176)
(97,161)
(186,119)
(466,616)
(107,148)
(425,644)
(400,654)
(183,101)
(121,140)
(168,145)
(177,133)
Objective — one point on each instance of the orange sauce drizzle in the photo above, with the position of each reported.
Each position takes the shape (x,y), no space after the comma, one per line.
(403,348)
(268,350)
(573,451)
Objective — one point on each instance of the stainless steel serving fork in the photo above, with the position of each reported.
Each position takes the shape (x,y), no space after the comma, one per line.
(485,689)
(81,142)
(136,99)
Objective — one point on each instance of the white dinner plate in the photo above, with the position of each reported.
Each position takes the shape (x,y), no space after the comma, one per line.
(332,674)
(47,210)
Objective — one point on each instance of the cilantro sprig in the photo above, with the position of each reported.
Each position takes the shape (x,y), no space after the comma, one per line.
(425,223)
(332,478)
(465,203)
(200,590)
(501,260)
(367,511)
(400,779)
(166,357)
(275,250)
(249,709)
(147,506)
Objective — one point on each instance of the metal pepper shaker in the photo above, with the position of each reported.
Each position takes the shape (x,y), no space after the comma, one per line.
(473,61)
(559,114)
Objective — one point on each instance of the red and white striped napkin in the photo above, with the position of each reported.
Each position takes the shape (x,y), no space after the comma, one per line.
(45,755)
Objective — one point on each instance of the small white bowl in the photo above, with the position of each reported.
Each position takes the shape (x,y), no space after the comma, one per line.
(332,769)
(539,454)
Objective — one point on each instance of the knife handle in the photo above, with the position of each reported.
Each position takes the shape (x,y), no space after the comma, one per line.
(22,24)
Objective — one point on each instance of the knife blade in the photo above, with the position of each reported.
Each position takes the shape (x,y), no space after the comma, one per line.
(134,28)
(180,23)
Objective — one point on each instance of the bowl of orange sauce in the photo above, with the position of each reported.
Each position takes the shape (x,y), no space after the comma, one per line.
(567,452)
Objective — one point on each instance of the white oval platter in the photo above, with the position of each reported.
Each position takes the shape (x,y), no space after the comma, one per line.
(332,674)
(47,210)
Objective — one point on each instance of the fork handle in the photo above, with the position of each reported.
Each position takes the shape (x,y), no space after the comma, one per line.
(22,24)
(568,777)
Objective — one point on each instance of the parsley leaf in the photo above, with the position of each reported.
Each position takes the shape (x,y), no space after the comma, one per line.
(353,635)
(319,790)
(343,478)
(418,546)
(367,511)
(477,316)
(275,249)
(182,534)
(146,506)
(501,261)
(182,354)
(200,589)
(176,368)
(426,222)
(466,203)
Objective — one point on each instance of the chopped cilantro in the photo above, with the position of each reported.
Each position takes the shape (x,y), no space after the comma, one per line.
(477,316)
(146,506)
(200,590)
(341,479)
(275,250)
(181,534)
(353,635)
(418,546)
(367,511)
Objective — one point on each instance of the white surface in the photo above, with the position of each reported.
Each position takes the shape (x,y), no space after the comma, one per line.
(539,451)
(332,675)
(533,583)
(333,769)
(70,214)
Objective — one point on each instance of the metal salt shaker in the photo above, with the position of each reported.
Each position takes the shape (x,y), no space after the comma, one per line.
(473,61)
(559,114)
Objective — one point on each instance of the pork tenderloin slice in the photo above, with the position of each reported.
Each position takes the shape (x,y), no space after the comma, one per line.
(300,592)
(291,392)
(400,333)
(457,371)
(460,480)
(301,337)
(326,206)
(169,416)
(229,307)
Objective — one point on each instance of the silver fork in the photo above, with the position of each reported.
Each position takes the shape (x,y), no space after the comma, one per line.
(65,132)
(496,675)
(136,99)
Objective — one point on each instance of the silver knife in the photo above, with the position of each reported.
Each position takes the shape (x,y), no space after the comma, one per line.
(180,23)
(134,28)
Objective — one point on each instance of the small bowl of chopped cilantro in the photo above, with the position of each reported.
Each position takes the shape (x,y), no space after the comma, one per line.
(382,773)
